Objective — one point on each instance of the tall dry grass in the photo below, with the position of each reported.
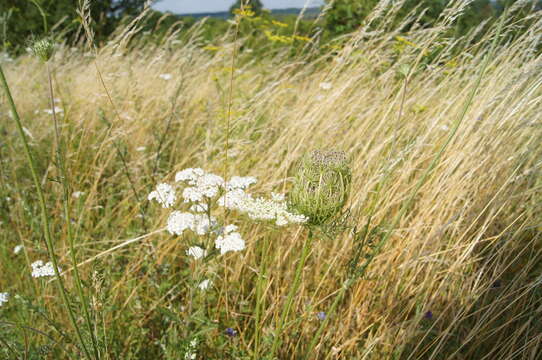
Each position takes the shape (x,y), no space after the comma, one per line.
(459,278)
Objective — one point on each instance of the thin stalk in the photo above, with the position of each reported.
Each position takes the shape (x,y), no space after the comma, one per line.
(44,214)
(260,300)
(406,206)
(67,211)
(228,118)
(293,290)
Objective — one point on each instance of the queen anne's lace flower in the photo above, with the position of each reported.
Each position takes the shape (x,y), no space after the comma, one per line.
(230,240)
(210,180)
(190,175)
(192,194)
(164,194)
(178,222)
(264,209)
(196,252)
(4,297)
(39,269)
(232,199)
(241,182)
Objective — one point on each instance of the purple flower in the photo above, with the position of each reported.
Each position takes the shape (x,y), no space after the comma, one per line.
(231,332)
(321,315)
(428,315)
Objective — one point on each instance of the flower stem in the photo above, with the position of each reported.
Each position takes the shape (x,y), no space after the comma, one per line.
(260,298)
(43,207)
(67,216)
(293,290)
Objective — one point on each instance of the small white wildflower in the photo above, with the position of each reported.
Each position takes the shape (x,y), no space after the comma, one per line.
(39,269)
(165,77)
(196,252)
(204,185)
(204,285)
(232,199)
(178,222)
(192,194)
(164,194)
(190,175)
(325,85)
(56,109)
(4,297)
(241,182)
(17,249)
(191,352)
(77,194)
(264,209)
(199,207)
(229,242)
(210,180)
(141,148)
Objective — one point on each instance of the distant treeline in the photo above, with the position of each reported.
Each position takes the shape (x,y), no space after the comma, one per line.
(24,19)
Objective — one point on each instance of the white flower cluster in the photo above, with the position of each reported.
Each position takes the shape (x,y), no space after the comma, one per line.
(191,352)
(4,297)
(261,209)
(201,224)
(202,185)
(202,191)
(230,240)
(39,269)
(164,194)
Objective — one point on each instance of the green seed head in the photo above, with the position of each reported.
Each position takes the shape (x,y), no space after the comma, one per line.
(321,186)
(43,49)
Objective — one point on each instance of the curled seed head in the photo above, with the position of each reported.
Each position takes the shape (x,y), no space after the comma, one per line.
(321,186)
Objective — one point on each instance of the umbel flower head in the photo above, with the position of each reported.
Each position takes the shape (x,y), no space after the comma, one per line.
(43,49)
(321,185)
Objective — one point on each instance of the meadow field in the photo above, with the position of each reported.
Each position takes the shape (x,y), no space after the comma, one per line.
(413,232)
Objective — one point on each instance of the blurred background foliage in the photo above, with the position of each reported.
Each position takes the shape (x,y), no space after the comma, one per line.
(21,20)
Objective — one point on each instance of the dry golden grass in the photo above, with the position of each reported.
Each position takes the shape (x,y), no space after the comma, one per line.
(468,250)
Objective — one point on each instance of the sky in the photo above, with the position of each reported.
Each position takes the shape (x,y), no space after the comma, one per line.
(197,6)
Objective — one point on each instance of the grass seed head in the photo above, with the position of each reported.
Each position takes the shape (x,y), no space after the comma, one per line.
(43,49)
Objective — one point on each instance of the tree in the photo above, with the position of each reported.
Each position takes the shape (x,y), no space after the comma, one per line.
(346,16)
(37,17)
(255,5)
